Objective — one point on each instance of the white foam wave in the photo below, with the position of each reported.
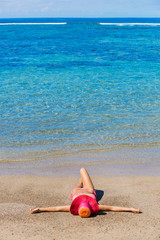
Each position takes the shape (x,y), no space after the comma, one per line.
(131,24)
(33,23)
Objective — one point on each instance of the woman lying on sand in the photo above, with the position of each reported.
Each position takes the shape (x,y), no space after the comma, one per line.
(84,201)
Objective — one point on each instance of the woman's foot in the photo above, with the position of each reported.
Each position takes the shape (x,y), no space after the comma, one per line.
(36,210)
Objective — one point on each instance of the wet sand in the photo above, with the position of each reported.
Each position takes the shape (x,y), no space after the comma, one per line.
(20,193)
(112,163)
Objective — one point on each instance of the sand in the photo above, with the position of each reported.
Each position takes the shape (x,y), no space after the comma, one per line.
(19,193)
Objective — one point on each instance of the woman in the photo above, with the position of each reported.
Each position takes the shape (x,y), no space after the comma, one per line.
(84,201)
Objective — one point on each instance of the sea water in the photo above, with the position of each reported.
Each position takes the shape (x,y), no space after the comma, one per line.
(71,85)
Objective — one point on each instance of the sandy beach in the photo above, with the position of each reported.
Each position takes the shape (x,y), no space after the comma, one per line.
(20,193)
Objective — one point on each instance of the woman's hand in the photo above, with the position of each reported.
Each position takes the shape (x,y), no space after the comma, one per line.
(118,209)
(51,209)
(36,210)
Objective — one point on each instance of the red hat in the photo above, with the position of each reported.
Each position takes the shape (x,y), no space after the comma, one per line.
(84,202)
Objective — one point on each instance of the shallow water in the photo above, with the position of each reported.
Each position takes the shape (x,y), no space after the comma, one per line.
(79,86)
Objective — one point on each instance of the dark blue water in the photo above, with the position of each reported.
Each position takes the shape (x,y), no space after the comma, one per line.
(80,85)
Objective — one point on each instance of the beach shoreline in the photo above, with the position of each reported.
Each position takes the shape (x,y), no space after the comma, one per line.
(20,193)
(108,163)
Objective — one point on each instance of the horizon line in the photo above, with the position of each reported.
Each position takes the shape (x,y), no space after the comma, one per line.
(74,17)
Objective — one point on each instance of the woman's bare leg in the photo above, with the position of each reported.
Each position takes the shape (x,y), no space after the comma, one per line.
(80,185)
(86,180)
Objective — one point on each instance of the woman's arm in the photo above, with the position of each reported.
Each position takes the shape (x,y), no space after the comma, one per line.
(118,209)
(51,209)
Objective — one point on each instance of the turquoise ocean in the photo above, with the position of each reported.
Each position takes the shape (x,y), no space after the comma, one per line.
(78,85)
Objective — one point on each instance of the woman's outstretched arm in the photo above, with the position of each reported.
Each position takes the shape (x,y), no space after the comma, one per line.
(118,209)
(51,209)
